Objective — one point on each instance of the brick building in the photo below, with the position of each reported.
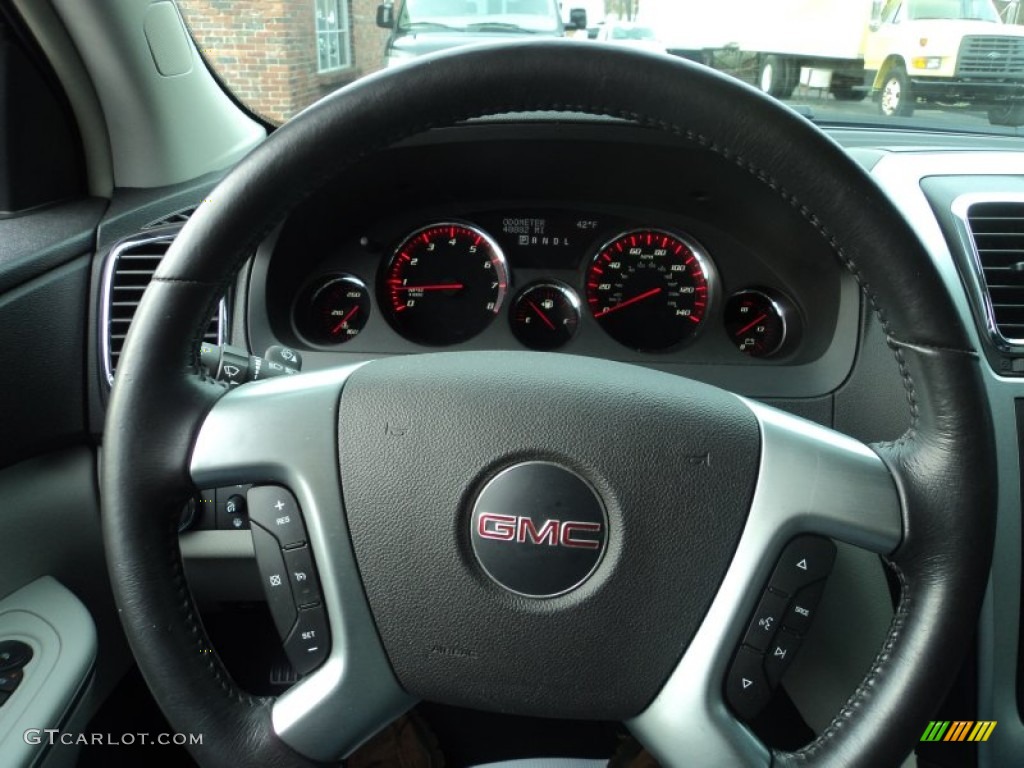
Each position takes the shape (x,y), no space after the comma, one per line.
(278,56)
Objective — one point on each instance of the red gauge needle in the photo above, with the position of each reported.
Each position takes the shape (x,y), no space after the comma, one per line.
(437,287)
(336,329)
(543,317)
(627,302)
(750,325)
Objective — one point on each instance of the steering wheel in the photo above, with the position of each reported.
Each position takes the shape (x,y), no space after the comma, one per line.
(693,492)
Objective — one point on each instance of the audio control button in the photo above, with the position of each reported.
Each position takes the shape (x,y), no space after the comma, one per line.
(302,575)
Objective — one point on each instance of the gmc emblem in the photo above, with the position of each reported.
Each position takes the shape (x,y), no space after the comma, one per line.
(553,533)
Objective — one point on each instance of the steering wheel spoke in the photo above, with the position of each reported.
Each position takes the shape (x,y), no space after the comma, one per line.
(283,432)
(811,480)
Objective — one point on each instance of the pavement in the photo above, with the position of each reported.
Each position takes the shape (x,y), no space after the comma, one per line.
(825,107)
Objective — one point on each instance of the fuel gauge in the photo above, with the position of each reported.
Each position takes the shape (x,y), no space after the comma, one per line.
(545,315)
(757,322)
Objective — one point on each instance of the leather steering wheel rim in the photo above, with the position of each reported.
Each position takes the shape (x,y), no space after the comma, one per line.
(942,466)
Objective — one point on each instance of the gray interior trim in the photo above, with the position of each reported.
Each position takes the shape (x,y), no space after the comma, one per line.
(900,176)
(61,633)
(60,50)
(200,128)
(168,39)
(811,480)
(273,431)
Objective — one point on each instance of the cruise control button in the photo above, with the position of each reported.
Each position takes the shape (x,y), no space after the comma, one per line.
(277,511)
(780,656)
(275,580)
(746,687)
(766,621)
(13,655)
(309,642)
(804,608)
(302,575)
(235,505)
(805,559)
(232,508)
(10,680)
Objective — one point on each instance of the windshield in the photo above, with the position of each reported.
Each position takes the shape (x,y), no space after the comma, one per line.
(936,65)
(978,10)
(531,15)
(632,33)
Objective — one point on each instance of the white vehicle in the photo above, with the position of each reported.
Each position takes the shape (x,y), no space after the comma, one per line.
(903,52)
(630,34)
(420,27)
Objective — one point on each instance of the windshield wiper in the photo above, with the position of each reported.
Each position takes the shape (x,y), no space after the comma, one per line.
(499,26)
(412,26)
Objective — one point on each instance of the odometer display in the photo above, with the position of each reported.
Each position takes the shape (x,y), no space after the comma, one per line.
(649,289)
(444,284)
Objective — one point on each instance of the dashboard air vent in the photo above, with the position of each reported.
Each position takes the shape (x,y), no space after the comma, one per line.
(129,269)
(997,229)
(178,217)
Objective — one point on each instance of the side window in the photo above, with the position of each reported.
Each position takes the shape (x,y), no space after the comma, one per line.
(279,57)
(332,35)
(41,156)
(892,13)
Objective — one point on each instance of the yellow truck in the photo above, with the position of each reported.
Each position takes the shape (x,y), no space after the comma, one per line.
(901,52)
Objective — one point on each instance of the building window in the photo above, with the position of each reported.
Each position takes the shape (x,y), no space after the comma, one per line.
(333,49)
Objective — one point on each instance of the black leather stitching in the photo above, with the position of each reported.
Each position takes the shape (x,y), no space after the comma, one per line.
(863,691)
(931,348)
(200,330)
(202,642)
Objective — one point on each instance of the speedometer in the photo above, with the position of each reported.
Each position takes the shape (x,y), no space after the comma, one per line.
(444,284)
(649,289)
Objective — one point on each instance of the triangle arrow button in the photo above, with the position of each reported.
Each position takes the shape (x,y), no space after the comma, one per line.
(802,565)
(746,683)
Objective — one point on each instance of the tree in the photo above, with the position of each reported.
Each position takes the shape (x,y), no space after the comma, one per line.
(623,9)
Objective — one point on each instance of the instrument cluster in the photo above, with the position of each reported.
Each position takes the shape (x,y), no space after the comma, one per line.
(546,274)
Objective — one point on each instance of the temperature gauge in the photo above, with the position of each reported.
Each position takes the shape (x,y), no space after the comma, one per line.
(757,322)
(335,310)
(545,316)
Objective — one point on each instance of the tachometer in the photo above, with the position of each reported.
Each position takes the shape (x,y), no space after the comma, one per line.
(444,284)
(649,289)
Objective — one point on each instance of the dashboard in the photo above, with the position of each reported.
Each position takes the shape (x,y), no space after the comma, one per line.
(546,203)
(606,242)
(587,237)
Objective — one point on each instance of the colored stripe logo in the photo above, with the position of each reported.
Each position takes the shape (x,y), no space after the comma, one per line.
(958,730)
